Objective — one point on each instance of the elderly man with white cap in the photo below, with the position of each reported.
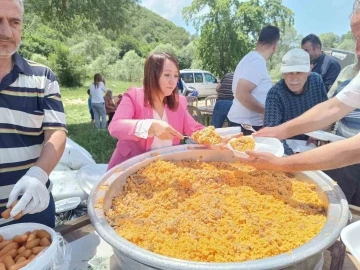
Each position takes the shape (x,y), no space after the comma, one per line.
(297,92)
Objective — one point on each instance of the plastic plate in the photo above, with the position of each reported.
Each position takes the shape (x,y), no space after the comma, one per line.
(263,144)
(325,136)
(351,239)
(67,204)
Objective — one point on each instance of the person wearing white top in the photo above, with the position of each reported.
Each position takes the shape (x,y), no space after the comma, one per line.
(251,82)
(97,89)
(331,156)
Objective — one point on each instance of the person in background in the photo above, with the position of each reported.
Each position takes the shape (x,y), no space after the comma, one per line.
(109,105)
(347,73)
(297,92)
(252,82)
(97,89)
(223,101)
(327,157)
(154,116)
(90,109)
(325,65)
(348,178)
(32,124)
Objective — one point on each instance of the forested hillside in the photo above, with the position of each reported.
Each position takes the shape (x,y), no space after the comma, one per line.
(78,38)
(77,50)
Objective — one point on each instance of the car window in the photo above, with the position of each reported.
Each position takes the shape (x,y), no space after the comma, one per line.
(209,78)
(188,77)
(198,77)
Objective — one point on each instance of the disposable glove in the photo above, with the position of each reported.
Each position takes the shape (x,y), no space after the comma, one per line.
(35,196)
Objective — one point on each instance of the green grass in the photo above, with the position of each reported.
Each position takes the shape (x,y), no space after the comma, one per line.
(99,143)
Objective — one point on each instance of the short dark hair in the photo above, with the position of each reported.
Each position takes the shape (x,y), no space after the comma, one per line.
(313,39)
(269,35)
(88,91)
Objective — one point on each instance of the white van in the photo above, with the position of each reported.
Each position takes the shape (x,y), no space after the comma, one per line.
(203,81)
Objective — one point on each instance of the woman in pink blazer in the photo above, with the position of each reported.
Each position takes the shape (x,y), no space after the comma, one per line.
(154,116)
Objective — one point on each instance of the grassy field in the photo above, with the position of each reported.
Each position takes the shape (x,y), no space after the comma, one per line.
(99,143)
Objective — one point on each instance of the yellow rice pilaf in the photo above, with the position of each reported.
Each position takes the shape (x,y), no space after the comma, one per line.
(243,143)
(206,136)
(216,211)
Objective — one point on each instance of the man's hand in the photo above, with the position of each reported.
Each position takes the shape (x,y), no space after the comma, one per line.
(224,140)
(263,161)
(274,132)
(35,196)
(163,130)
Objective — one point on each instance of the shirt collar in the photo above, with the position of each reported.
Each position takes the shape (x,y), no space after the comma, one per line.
(21,65)
(318,59)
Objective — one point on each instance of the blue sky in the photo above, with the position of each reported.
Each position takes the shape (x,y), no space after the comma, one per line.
(311,16)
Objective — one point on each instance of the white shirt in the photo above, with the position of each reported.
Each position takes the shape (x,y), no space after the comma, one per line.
(251,68)
(350,95)
(142,131)
(97,94)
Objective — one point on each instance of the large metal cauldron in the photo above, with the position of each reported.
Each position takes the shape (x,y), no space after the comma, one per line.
(131,257)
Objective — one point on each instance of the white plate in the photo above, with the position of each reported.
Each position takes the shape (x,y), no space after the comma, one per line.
(350,237)
(299,146)
(263,144)
(325,136)
(67,204)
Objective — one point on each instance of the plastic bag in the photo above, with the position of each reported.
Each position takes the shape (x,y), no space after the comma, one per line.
(75,156)
(56,257)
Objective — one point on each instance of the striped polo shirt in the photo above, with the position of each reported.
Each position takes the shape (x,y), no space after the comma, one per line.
(225,90)
(30,103)
(349,125)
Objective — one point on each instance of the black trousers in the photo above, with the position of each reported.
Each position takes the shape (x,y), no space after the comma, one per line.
(244,131)
(348,179)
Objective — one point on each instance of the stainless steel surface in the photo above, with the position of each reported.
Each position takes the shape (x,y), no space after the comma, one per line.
(134,257)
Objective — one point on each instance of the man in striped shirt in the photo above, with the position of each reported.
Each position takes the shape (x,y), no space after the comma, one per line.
(32,125)
(223,101)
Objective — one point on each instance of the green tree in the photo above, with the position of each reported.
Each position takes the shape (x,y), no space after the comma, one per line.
(168,48)
(131,67)
(67,67)
(229,28)
(347,42)
(329,40)
(106,14)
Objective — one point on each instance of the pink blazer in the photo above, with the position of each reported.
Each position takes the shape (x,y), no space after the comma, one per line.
(131,108)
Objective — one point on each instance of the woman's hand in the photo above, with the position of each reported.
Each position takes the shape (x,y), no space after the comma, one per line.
(163,130)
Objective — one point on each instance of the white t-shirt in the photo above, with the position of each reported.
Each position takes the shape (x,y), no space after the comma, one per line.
(350,95)
(97,93)
(252,68)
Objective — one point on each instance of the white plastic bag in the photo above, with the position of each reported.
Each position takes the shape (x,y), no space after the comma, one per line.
(56,257)
(65,185)
(75,156)
(61,167)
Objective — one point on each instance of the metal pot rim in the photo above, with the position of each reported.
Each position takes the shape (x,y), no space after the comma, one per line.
(337,218)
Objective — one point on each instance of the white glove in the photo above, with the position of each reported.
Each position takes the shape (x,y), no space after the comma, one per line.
(35,196)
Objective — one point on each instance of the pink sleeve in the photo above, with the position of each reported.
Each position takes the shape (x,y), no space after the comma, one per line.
(123,125)
(190,125)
